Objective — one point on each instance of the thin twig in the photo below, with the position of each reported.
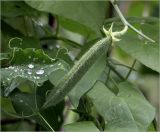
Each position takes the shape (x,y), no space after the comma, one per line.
(46,122)
(126,23)
(116,72)
(114,82)
(131,69)
(73,43)
(120,64)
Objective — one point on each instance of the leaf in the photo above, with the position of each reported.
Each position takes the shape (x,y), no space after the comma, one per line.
(143,113)
(88,80)
(16,8)
(145,52)
(25,103)
(4,56)
(30,64)
(89,13)
(113,109)
(77,27)
(128,111)
(56,112)
(85,126)
(6,105)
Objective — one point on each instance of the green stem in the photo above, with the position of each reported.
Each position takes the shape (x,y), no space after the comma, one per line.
(131,69)
(126,23)
(116,72)
(46,122)
(72,43)
(120,64)
(114,82)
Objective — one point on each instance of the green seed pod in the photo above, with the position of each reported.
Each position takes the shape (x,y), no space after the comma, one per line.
(77,72)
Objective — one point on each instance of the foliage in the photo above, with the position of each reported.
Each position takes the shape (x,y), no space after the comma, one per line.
(56,64)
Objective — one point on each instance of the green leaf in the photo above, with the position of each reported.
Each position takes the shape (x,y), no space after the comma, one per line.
(26,104)
(128,111)
(29,64)
(56,112)
(88,80)
(89,13)
(85,126)
(113,109)
(142,111)
(4,56)
(75,26)
(16,8)
(145,52)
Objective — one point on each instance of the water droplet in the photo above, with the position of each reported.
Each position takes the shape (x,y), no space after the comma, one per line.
(51,65)
(29,72)
(31,66)
(38,77)
(11,67)
(59,64)
(15,70)
(40,72)
(57,45)
(21,101)
(53,60)
(8,79)
(35,77)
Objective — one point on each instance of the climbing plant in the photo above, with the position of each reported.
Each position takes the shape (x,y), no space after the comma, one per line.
(69,66)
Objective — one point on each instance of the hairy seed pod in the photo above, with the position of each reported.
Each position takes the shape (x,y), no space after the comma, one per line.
(77,72)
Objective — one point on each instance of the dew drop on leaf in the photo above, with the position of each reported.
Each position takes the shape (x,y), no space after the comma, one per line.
(29,72)
(11,67)
(40,72)
(31,66)
(21,101)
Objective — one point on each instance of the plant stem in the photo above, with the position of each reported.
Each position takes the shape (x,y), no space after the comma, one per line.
(131,69)
(46,122)
(114,82)
(74,44)
(120,64)
(126,23)
(116,72)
